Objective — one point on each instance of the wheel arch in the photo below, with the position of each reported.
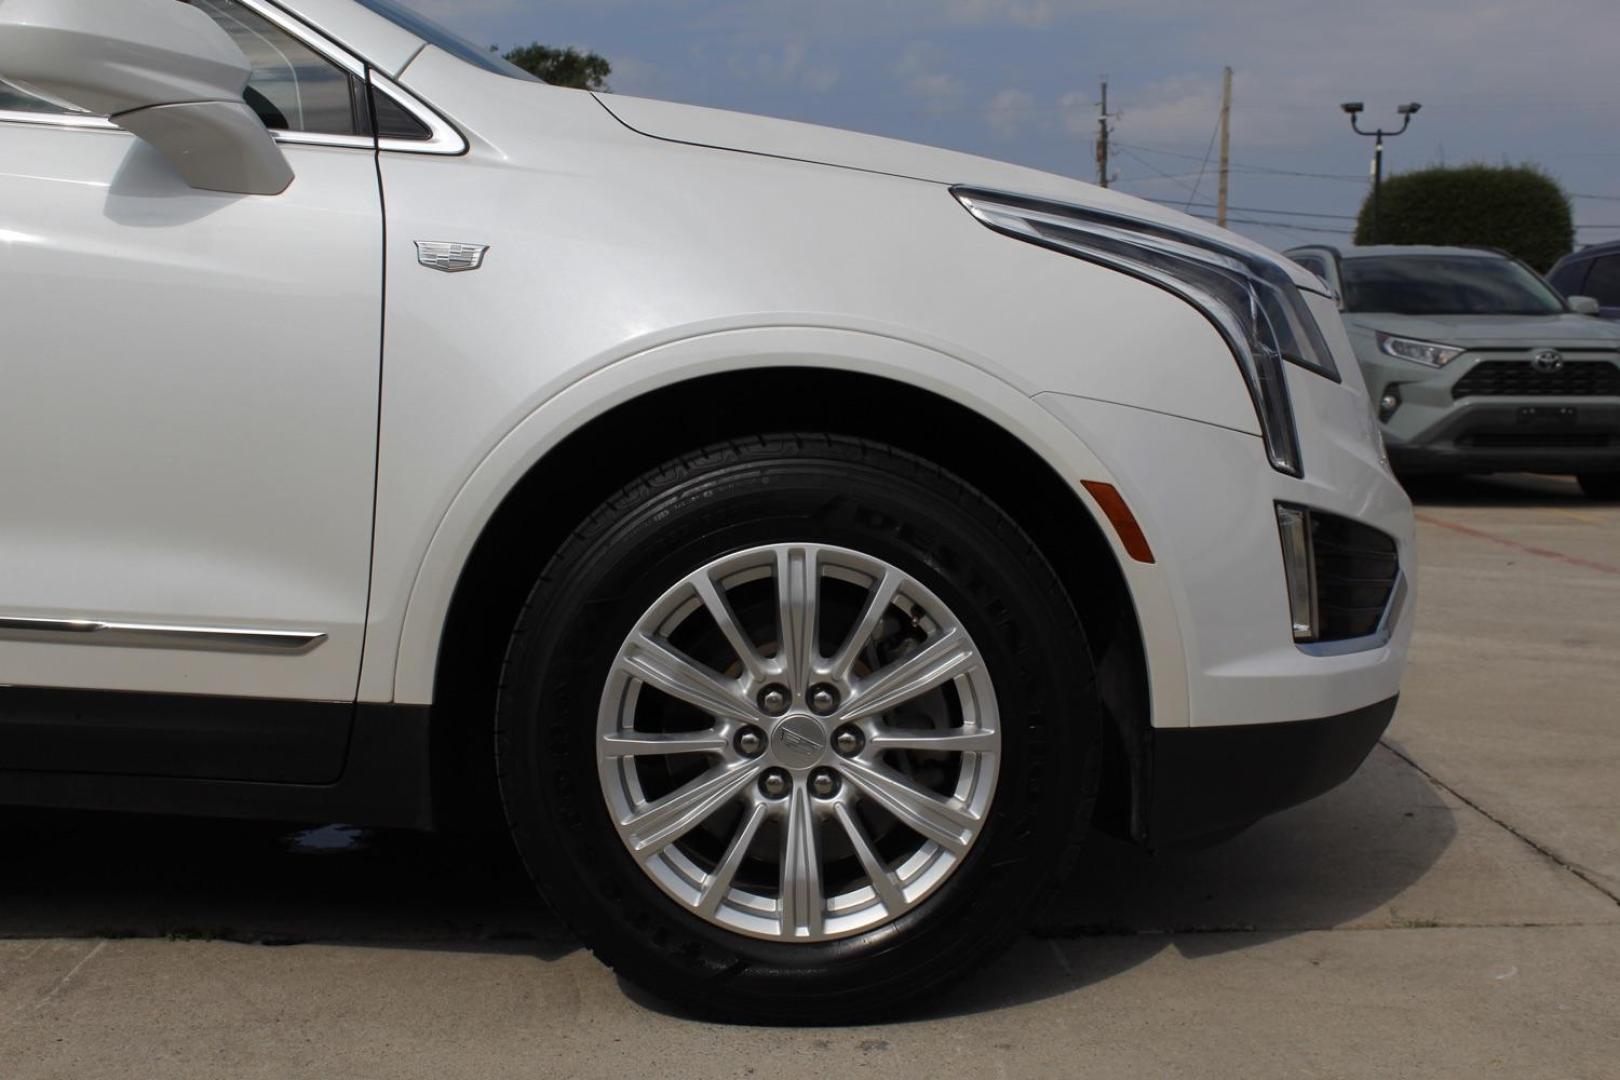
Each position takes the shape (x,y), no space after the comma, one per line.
(586,442)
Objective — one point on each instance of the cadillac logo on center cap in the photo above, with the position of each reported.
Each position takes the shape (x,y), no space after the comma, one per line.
(800,741)
(1548,361)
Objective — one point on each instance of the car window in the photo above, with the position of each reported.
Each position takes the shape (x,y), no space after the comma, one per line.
(1314,263)
(13,99)
(1445,285)
(444,38)
(1568,276)
(291,88)
(1603,282)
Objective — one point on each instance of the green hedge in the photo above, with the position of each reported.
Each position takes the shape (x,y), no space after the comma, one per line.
(1517,208)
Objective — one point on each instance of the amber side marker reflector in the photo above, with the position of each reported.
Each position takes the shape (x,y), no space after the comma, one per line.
(1120,517)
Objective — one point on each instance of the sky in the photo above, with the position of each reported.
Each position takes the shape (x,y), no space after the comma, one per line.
(1498,80)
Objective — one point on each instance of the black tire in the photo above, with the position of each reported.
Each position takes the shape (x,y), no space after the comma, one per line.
(1602,486)
(729,498)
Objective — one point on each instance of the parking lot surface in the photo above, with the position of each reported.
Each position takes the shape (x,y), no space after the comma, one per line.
(1453,911)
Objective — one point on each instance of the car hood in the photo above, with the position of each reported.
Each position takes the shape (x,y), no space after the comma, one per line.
(742,132)
(1505,331)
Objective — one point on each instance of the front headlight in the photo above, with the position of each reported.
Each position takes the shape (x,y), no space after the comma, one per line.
(1251,300)
(1426,353)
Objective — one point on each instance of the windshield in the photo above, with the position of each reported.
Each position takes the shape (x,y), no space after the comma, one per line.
(448,40)
(1445,285)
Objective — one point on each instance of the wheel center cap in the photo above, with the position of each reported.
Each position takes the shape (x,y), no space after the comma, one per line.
(799,741)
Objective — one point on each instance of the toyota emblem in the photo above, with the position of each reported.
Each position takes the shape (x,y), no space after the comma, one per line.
(1548,361)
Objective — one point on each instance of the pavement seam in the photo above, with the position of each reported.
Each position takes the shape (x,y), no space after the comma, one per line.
(1546,852)
(1078,933)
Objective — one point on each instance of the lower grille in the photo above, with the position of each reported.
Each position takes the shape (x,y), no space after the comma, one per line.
(1519,378)
(1538,440)
(1341,574)
(1356,570)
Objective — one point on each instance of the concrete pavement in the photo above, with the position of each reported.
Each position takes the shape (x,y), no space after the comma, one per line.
(1450,912)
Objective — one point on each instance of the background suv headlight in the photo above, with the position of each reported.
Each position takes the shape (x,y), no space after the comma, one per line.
(1251,300)
(1419,352)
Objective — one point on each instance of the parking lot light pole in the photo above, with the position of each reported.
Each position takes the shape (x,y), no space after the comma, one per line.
(1406,112)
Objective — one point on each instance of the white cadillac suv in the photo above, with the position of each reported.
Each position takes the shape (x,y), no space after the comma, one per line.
(808,538)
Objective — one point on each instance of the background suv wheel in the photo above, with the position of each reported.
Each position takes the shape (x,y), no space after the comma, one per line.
(1605,486)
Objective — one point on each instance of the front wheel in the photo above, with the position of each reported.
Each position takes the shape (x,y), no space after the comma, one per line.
(1603,486)
(797,730)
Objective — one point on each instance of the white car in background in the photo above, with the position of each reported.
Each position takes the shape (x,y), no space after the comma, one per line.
(809,536)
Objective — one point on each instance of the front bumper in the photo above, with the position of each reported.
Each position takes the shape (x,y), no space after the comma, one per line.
(1515,435)
(1206,499)
(1434,430)
(1267,722)
(1208,781)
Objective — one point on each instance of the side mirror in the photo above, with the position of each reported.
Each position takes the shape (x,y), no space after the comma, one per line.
(159,69)
(1584,305)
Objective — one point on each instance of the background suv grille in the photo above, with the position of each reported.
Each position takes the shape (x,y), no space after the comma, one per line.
(1356,570)
(1516,378)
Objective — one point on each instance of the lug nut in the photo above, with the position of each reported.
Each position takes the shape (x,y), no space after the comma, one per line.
(774,700)
(848,741)
(775,783)
(750,742)
(824,782)
(823,699)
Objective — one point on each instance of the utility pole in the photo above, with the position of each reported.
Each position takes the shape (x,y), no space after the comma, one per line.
(1226,144)
(1102,137)
(1406,112)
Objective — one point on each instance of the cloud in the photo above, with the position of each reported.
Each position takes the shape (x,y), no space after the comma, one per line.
(788,66)
(1010,113)
(1078,113)
(448,10)
(1017,12)
(639,78)
(920,70)
(1180,109)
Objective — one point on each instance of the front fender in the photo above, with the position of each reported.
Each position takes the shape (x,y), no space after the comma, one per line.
(402,651)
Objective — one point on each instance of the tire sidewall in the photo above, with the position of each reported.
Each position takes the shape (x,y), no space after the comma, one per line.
(935,529)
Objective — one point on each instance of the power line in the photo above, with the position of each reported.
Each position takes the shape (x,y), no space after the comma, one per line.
(1284,226)
(1128,152)
(1204,164)
(1247,168)
(1153,178)
(1292,226)
(1242,209)
(1282,213)
(1224,182)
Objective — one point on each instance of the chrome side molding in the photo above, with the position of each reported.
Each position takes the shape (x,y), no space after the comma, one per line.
(157,636)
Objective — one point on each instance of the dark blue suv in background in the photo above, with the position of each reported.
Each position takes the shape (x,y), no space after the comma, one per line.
(1593,271)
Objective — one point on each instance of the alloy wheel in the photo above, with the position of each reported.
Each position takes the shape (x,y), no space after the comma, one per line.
(798,742)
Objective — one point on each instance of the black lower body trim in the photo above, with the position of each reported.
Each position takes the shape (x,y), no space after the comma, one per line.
(380,777)
(1208,781)
(173,735)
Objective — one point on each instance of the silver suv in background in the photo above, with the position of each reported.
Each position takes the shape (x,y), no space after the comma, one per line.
(1477,365)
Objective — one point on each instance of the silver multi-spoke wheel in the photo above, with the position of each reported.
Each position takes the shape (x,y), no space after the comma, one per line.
(798,742)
